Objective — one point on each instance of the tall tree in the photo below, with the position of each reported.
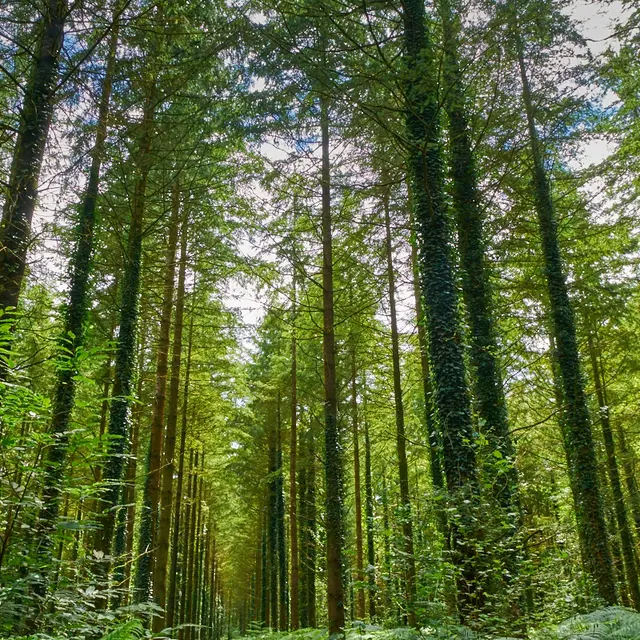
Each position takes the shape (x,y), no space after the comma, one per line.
(72,339)
(580,450)
(332,454)
(438,291)
(151,501)
(401,443)
(35,119)
(168,469)
(488,387)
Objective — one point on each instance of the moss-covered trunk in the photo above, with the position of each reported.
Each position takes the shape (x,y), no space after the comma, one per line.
(72,338)
(578,437)
(125,351)
(452,399)
(487,379)
(21,194)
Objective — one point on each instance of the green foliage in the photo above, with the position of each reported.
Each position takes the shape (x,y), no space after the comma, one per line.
(603,624)
(434,631)
(132,630)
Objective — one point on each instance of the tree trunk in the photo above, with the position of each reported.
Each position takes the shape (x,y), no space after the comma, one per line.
(129,490)
(439,295)
(118,419)
(333,459)
(578,436)
(356,488)
(433,435)
(151,499)
(619,507)
(166,498)
(488,387)
(72,338)
(189,561)
(403,470)
(197,558)
(265,616)
(282,542)
(186,546)
(175,543)
(308,531)
(371,555)
(35,118)
(293,496)
(272,519)
(304,535)
(387,545)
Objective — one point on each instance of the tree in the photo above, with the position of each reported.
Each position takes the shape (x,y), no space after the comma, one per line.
(580,449)
(35,119)
(436,277)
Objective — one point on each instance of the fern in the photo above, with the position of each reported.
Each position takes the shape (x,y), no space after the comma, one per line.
(604,624)
(132,630)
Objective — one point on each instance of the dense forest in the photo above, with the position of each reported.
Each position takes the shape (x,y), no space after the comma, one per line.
(320,319)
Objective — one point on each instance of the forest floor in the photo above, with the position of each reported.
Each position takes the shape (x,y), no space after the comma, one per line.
(605,624)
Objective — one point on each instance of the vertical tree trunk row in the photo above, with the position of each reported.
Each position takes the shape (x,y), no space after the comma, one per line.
(168,468)
(151,498)
(125,353)
(619,507)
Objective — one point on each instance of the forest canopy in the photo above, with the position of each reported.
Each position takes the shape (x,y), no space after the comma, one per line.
(318,319)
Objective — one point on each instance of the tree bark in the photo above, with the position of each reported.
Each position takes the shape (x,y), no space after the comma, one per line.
(72,338)
(581,452)
(403,470)
(333,459)
(148,540)
(35,120)
(619,508)
(168,468)
(439,295)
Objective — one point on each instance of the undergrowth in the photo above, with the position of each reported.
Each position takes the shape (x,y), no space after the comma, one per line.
(612,623)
